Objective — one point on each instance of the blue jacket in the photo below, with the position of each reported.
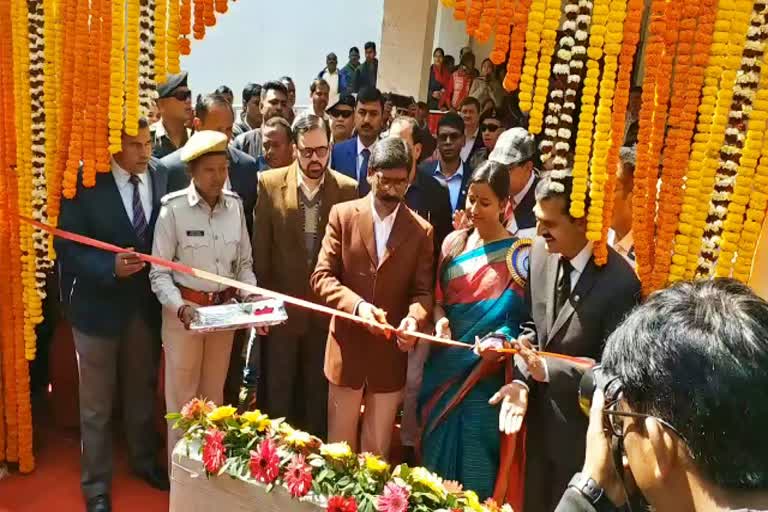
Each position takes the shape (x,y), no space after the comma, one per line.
(243,178)
(344,159)
(345,85)
(95,301)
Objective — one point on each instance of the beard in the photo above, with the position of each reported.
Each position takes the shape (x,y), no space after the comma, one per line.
(314,170)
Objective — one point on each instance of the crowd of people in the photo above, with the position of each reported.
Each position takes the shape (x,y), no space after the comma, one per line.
(460,233)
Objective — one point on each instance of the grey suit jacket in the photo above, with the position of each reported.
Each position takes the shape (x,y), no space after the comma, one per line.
(249,142)
(601,299)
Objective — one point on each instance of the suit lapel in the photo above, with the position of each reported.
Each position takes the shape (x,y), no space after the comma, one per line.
(365,229)
(291,205)
(399,234)
(330,196)
(157,193)
(586,281)
(550,281)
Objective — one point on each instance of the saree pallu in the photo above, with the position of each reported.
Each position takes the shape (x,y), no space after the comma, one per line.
(460,437)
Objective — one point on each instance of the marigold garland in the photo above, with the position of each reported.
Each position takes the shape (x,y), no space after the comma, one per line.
(534,28)
(603,176)
(460,10)
(503,25)
(543,71)
(700,175)
(132,68)
(161,25)
(694,41)
(738,225)
(116,77)
(718,233)
(517,44)
(730,153)
(75,146)
(146,56)
(487,21)
(178,19)
(90,107)
(104,91)
(755,212)
(198,25)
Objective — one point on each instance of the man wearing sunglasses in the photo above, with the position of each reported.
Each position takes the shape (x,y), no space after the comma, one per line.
(174,104)
(290,219)
(342,115)
(683,404)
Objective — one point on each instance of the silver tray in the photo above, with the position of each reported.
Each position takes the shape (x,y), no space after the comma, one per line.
(230,317)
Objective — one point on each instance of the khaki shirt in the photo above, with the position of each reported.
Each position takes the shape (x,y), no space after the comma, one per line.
(190,232)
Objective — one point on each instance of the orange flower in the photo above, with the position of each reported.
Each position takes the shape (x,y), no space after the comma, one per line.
(517,44)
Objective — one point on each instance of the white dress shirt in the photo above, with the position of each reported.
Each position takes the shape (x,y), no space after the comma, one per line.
(518,198)
(468,145)
(382,228)
(360,149)
(304,184)
(125,187)
(623,246)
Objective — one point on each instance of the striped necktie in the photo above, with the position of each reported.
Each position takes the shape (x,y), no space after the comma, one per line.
(139,218)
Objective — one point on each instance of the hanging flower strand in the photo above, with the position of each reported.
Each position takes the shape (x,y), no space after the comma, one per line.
(548,39)
(534,28)
(132,68)
(517,45)
(116,77)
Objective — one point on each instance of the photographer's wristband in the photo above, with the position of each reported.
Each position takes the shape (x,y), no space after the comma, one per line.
(592,491)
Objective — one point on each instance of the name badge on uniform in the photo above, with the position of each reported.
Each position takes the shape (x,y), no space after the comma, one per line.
(195,232)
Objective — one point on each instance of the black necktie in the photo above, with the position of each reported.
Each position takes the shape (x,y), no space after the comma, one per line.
(362,178)
(563,288)
(139,219)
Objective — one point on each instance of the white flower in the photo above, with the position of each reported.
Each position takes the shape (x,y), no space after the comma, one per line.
(576,64)
(556,187)
(560,69)
(569,25)
(581,35)
(574,78)
(566,119)
(557,93)
(559,174)
(564,133)
(579,50)
(550,132)
(562,146)
(569,105)
(571,8)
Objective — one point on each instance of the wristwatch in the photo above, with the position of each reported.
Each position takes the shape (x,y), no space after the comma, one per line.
(592,491)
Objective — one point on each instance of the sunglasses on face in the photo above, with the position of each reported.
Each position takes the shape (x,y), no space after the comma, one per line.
(345,114)
(320,151)
(489,127)
(181,95)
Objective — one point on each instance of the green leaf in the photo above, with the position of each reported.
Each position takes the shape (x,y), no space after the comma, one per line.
(173,416)
(270,487)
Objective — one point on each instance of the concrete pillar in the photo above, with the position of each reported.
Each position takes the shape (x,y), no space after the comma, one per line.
(407,34)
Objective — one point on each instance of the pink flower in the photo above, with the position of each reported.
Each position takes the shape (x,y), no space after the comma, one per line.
(341,504)
(196,408)
(214,453)
(298,477)
(393,499)
(265,463)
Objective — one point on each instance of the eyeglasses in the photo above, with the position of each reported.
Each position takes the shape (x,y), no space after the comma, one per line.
(181,95)
(320,151)
(345,114)
(489,127)
(391,183)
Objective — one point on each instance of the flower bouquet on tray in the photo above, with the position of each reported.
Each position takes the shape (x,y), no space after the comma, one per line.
(256,449)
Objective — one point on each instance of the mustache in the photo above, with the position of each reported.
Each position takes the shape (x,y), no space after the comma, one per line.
(366,125)
(391,199)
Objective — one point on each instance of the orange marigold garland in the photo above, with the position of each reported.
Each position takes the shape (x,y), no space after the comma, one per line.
(132,68)
(473,17)
(487,21)
(693,45)
(460,10)
(79,99)
(517,45)
(198,26)
(720,236)
(56,186)
(221,6)
(721,196)
(501,38)
(116,77)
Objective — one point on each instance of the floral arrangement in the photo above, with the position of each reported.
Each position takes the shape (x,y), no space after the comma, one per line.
(254,448)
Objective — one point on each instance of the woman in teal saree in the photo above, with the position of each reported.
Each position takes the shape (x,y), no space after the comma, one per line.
(480,290)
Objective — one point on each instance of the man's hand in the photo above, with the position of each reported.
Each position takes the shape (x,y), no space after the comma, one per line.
(443,329)
(461,220)
(188,314)
(598,463)
(404,341)
(488,347)
(514,404)
(372,314)
(533,361)
(127,263)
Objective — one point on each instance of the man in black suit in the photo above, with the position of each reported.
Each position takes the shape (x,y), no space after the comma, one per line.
(115,316)
(274,102)
(449,169)
(574,306)
(696,437)
(516,149)
(214,112)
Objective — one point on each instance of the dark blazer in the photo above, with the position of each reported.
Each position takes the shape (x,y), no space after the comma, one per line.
(240,127)
(367,75)
(95,301)
(348,271)
(429,167)
(249,142)
(601,299)
(280,259)
(344,160)
(524,216)
(243,177)
(430,199)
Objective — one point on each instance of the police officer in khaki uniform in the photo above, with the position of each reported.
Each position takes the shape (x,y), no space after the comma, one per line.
(202,226)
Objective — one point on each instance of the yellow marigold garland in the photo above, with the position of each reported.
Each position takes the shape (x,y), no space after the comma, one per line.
(755,212)
(132,68)
(700,174)
(534,28)
(602,176)
(116,77)
(548,40)
(721,195)
(105,83)
(176,20)
(161,24)
(90,106)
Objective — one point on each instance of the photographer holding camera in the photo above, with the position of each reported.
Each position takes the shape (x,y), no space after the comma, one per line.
(681,404)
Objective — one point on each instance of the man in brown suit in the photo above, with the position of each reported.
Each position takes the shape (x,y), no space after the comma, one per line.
(290,218)
(375,261)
